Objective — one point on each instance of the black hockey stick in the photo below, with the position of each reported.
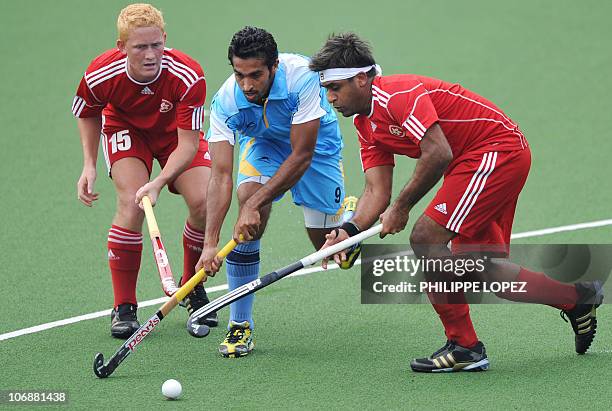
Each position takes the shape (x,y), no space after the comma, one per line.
(196,329)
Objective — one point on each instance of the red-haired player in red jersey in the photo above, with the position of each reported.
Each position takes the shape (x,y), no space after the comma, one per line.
(144,101)
(484,159)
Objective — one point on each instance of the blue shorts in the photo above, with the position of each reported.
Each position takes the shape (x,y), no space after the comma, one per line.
(320,188)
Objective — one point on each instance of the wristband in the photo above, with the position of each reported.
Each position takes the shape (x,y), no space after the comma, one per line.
(351,228)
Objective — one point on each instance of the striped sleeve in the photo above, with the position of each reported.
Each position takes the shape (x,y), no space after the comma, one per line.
(190,110)
(414,111)
(190,86)
(85,103)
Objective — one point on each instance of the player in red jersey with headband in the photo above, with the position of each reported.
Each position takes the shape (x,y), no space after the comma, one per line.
(144,101)
(484,159)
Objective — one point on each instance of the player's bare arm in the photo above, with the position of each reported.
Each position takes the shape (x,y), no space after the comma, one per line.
(217,203)
(436,155)
(89,130)
(376,196)
(178,161)
(303,140)
(374,200)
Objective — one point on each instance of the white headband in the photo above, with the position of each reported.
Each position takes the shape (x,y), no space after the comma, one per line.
(342,73)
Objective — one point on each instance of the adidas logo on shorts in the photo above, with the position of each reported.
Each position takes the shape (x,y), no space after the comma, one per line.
(441,208)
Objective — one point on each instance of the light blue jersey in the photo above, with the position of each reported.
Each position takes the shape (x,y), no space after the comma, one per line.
(263,132)
(295,97)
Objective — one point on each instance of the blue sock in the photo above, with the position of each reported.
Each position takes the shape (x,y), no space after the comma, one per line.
(243,267)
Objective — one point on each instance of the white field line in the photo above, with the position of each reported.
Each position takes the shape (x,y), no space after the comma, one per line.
(304,271)
(553,230)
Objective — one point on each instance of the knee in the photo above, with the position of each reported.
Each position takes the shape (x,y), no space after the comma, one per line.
(418,237)
(430,239)
(426,243)
(128,210)
(197,210)
(420,240)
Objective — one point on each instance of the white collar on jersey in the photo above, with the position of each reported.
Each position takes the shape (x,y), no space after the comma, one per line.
(343,73)
(140,83)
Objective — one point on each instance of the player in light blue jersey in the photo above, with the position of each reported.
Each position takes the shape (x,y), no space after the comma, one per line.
(289,139)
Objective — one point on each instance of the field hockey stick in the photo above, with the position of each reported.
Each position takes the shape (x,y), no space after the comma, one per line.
(197,330)
(159,252)
(104,370)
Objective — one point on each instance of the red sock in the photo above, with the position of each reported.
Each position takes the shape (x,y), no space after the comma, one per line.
(193,240)
(544,290)
(124,252)
(455,316)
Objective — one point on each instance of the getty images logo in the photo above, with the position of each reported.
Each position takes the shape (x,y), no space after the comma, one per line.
(142,333)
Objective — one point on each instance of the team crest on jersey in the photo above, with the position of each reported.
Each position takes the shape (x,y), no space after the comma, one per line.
(396,130)
(165,106)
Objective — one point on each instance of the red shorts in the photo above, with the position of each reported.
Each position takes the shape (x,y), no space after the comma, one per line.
(121,141)
(478,198)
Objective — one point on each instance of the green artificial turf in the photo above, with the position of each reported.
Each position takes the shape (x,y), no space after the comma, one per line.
(544,63)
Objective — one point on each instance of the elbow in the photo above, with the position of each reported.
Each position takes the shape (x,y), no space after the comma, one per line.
(189,149)
(385,198)
(194,148)
(441,157)
(304,160)
(446,158)
(388,200)
(380,194)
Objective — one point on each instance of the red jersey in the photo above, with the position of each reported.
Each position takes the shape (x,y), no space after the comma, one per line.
(175,98)
(405,106)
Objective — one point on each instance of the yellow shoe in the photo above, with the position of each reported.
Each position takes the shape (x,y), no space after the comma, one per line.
(238,340)
(351,256)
